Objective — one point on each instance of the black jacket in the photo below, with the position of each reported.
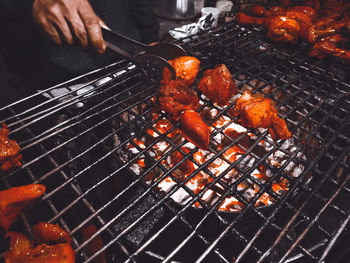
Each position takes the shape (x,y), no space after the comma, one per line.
(40,62)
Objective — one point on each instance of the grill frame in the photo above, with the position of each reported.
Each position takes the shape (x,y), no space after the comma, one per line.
(237,42)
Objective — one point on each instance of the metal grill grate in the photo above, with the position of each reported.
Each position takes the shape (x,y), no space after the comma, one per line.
(68,137)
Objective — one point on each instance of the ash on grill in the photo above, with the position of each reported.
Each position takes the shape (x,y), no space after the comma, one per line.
(159,141)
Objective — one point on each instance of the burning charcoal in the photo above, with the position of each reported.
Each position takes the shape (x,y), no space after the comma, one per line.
(225,131)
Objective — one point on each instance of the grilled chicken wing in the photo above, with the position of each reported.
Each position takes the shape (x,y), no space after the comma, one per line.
(10,155)
(217,85)
(293,24)
(15,200)
(186,68)
(285,26)
(195,129)
(328,47)
(260,113)
(176,97)
(290,24)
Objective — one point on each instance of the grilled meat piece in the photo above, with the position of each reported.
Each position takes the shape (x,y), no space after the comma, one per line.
(186,68)
(58,250)
(259,11)
(294,23)
(332,7)
(217,85)
(15,200)
(260,113)
(195,129)
(10,155)
(279,127)
(315,4)
(22,250)
(46,233)
(176,97)
(243,19)
(94,245)
(328,47)
(285,26)
(323,27)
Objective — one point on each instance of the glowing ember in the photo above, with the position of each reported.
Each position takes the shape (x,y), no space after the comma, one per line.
(188,160)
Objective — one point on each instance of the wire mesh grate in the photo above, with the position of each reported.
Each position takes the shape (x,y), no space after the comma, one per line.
(76,139)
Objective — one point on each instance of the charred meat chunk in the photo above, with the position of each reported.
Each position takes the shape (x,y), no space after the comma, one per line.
(186,68)
(260,113)
(217,85)
(15,200)
(10,156)
(46,233)
(328,46)
(176,97)
(195,129)
(22,249)
(94,245)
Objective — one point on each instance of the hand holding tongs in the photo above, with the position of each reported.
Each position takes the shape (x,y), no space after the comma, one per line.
(142,54)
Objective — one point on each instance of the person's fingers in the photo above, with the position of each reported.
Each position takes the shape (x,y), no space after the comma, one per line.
(50,30)
(93,28)
(79,30)
(103,24)
(153,43)
(62,25)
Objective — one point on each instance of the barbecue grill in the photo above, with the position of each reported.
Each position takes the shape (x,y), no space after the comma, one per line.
(72,138)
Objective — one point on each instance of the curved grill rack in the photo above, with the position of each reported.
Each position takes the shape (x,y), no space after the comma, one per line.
(67,137)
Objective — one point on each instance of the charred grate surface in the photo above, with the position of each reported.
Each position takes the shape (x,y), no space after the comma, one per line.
(67,134)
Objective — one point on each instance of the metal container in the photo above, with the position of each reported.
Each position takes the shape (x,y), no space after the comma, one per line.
(177,9)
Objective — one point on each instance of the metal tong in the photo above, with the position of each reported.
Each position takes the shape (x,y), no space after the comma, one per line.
(142,54)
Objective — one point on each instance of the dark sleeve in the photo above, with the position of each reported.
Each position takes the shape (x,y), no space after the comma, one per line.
(147,23)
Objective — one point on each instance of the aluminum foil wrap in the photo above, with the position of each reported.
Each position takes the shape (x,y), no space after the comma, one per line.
(204,23)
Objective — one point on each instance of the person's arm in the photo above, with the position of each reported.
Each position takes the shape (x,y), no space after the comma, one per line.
(68,20)
(147,23)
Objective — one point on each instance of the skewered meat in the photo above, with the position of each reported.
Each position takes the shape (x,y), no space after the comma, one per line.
(217,85)
(94,245)
(15,200)
(328,47)
(186,68)
(195,129)
(22,250)
(176,97)
(260,113)
(10,155)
